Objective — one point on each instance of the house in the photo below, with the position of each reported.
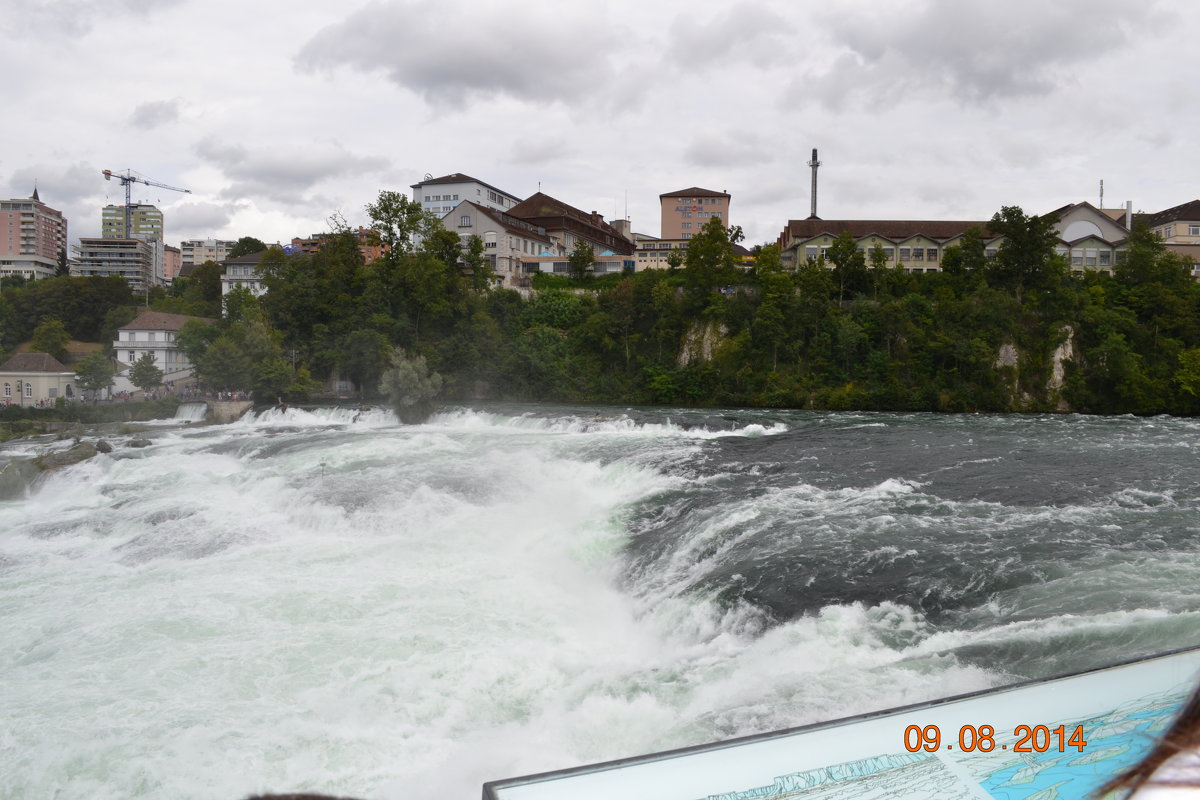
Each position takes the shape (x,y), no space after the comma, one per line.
(31,379)
(243,271)
(507,241)
(686,211)
(155,332)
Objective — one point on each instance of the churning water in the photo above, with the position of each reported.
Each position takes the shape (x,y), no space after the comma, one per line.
(330,601)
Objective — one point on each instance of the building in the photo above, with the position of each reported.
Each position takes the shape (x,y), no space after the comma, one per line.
(197,251)
(441,195)
(144,221)
(172,262)
(507,240)
(138,261)
(155,332)
(368,242)
(605,263)
(1179,228)
(30,379)
(686,211)
(568,225)
(33,237)
(1088,238)
(243,271)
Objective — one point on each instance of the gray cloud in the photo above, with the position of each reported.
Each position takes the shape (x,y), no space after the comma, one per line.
(452,52)
(729,148)
(74,17)
(283,174)
(540,151)
(750,32)
(201,218)
(150,115)
(971,52)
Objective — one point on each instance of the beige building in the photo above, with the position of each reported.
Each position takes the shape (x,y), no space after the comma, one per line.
(145,221)
(31,379)
(685,212)
(197,251)
(507,241)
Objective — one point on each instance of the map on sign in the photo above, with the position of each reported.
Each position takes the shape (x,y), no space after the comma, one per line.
(1111,742)
(1056,738)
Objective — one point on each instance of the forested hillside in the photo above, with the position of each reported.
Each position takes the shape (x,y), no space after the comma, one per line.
(980,336)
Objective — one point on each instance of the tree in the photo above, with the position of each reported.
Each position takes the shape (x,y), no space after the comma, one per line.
(849,264)
(145,374)
(482,274)
(582,259)
(95,372)
(410,386)
(225,366)
(63,269)
(1026,256)
(709,259)
(50,336)
(364,356)
(245,246)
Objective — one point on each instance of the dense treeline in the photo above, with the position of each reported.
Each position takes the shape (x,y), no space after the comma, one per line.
(848,333)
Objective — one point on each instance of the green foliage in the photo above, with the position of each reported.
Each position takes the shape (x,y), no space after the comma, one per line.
(410,386)
(94,372)
(245,246)
(145,374)
(582,260)
(50,336)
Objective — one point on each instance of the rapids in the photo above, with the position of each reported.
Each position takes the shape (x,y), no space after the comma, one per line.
(330,601)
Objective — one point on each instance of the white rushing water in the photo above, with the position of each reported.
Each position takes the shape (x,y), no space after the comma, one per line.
(333,602)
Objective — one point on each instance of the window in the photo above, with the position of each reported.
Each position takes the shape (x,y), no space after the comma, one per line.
(1105,258)
(687,225)
(8,390)
(455,197)
(28,389)
(687,236)
(1193,230)
(150,336)
(918,254)
(717,214)
(905,254)
(131,356)
(1089,257)
(464,221)
(53,392)
(931,254)
(1077,257)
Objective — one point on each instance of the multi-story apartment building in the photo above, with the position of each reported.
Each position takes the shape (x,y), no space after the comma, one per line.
(172,262)
(155,332)
(441,195)
(138,261)
(1179,228)
(33,237)
(685,212)
(144,221)
(197,251)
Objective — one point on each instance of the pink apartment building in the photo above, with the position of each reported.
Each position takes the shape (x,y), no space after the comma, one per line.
(32,237)
(685,212)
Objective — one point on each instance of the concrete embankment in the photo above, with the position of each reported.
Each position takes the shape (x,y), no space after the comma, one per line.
(223,411)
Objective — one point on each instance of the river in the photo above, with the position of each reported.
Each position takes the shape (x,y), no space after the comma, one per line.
(330,601)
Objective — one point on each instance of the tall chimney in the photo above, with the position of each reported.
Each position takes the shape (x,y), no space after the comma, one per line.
(814,164)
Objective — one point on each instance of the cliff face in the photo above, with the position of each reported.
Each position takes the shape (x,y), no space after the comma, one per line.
(1008,362)
(699,343)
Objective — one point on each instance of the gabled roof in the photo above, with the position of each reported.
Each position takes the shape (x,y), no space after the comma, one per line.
(33,362)
(249,258)
(159,321)
(541,206)
(1187,211)
(895,230)
(695,191)
(509,223)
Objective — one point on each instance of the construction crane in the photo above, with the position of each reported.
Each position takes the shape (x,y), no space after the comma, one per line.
(129,178)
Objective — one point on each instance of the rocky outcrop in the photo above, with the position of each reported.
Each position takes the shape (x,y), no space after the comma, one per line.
(1057,380)
(699,343)
(65,458)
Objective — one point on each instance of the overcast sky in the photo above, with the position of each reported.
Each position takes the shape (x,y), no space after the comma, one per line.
(277,114)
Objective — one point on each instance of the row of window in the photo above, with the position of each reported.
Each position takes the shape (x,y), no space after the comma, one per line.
(437,198)
(929,254)
(132,336)
(1167,231)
